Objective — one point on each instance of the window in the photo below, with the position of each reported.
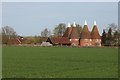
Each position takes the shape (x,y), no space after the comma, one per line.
(96,40)
(90,39)
(86,40)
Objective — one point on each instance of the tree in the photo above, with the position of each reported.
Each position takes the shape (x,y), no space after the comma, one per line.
(113,36)
(116,38)
(49,33)
(45,33)
(104,37)
(110,37)
(79,28)
(110,34)
(59,29)
(8,33)
(36,39)
(113,26)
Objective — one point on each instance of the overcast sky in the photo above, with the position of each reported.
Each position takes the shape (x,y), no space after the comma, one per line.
(30,18)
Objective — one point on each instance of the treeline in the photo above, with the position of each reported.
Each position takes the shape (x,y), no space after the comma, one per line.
(59,30)
(9,35)
(111,35)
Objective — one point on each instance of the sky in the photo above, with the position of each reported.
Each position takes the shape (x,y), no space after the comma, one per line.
(119,14)
(59,0)
(30,18)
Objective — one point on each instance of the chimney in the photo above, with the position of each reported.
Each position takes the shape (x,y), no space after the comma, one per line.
(74,24)
(69,25)
(95,23)
(85,22)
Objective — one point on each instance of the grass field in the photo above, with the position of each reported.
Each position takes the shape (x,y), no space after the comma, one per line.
(58,62)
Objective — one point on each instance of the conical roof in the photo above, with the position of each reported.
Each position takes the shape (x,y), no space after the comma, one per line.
(67,32)
(95,34)
(85,34)
(69,25)
(74,33)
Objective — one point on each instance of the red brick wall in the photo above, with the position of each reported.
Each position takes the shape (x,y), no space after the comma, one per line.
(74,42)
(96,42)
(85,42)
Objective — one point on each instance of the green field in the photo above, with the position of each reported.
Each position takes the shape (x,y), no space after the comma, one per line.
(59,62)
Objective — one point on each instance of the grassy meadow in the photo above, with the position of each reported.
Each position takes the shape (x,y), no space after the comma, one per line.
(59,62)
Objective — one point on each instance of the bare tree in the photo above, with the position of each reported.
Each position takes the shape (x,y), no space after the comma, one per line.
(59,29)
(113,26)
(79,28)
(49,33)
(45,33)
(113,34)
(8,33)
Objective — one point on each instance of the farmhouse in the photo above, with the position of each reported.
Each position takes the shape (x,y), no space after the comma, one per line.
(72,37)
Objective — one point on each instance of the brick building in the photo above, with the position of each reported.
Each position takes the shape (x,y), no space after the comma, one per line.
(88,38)
(72,37)
(72,34)
(85,38)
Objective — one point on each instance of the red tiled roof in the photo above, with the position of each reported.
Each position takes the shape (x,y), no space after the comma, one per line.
(74,33)
(67,32)
(71,33)
(14,41)
(85,34)
(59,40)
(95,34)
